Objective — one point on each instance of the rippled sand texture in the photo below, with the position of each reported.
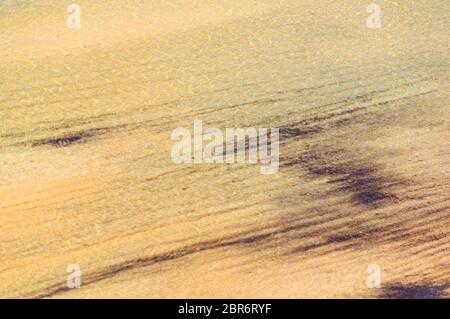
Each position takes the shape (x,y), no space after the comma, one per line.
(87,177)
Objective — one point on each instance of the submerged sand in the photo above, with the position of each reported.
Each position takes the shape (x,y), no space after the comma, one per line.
(364,177)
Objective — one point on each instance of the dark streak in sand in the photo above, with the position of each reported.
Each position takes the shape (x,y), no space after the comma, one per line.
(405,291)
(69,139)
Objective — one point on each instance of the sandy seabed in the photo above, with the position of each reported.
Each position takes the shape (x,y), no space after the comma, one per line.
(86,175)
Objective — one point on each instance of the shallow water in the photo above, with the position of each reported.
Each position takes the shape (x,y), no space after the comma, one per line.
(87,178)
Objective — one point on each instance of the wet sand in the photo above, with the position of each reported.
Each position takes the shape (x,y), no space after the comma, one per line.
(87,177)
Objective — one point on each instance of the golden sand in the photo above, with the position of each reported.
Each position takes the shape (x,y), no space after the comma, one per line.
(364,177)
